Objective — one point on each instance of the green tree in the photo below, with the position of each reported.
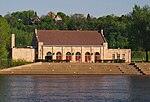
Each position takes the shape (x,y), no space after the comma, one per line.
(139,33)
(77,22)
(4,39)
(23,38)
(114,31)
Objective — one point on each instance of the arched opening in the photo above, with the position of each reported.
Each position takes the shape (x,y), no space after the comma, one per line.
(48,56)
(58,56)
(78,56)
(97,56)
(87,57)
(68,56)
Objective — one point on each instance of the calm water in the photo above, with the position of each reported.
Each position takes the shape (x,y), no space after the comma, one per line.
(74,89)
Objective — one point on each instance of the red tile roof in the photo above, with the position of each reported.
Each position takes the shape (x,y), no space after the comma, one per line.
(61,37)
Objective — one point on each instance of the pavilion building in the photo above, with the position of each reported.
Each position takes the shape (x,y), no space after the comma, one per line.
(74,46)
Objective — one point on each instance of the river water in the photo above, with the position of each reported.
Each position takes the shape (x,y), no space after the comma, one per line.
(70,88)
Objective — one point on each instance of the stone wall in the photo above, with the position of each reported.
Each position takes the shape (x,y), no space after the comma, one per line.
(121,52)
(27,54)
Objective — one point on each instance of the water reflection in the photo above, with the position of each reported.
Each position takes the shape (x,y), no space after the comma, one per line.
(74,89)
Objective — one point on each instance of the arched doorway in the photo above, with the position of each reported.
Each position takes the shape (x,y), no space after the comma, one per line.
(68,56)
(78,56)
(58,56)
(87,57)
(97,56)
(48,56)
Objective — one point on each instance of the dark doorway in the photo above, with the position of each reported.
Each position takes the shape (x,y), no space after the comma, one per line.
(48,56)
(97,56)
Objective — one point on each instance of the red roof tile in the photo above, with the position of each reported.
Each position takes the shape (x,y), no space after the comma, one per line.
(61,37)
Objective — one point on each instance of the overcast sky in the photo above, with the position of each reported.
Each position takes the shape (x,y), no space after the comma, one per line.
(96,8)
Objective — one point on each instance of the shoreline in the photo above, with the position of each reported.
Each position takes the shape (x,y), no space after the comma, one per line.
(92,69)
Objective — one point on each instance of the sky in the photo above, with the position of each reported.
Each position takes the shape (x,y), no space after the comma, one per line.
(96,8)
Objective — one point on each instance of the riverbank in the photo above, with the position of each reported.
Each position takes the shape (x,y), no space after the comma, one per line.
(76,69)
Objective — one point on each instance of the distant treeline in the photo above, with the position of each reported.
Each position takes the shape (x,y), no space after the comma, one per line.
(130,30)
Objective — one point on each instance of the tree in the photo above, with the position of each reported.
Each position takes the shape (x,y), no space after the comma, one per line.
(77,22)
(4,39)
(140,29)
(114,31)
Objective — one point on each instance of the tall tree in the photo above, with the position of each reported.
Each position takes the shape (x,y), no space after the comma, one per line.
(4,38)
(140,28)
(114,31)
(77,22)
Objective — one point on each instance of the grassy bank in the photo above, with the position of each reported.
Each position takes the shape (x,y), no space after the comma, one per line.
(139,56)
(12,63)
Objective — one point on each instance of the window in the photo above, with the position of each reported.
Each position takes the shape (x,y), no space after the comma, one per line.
(123,56)
(97,56)
(58,56)
(87,57)
(49,54)
(78,56)
(118,56)
(68,56)
(113,56)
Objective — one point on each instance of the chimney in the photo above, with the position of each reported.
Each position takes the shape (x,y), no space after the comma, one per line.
(35,31)
(102,32)
(12,40)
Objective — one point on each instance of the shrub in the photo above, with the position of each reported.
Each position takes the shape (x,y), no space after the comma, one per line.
(12,63)
(119,61)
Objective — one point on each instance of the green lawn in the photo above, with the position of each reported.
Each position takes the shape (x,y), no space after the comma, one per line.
(139,56)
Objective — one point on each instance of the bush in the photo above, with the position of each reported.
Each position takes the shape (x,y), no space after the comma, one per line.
(12,63)
(105,61)
(98,61)
(119,61)
(3,64)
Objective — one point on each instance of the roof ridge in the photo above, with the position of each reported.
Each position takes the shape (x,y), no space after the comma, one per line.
(71,30)
(70,37)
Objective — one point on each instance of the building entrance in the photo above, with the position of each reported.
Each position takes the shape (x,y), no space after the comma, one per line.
(48,56)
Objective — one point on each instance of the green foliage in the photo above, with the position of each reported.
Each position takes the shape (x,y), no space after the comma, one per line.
(114,30)
(13,63)
(23,38)
(4,39)
(140,29)
(119,61)
(138,55)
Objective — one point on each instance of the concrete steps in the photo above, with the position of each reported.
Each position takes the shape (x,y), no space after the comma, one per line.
(144,67)
(129,69)
(66,68)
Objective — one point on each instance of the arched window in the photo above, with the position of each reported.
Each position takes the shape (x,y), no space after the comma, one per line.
(68,56)
(78,56)
(58,56)
(48,56)
(87,57)
(97,56)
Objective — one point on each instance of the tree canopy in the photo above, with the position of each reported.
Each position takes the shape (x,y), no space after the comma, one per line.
(139,28)
(4,39)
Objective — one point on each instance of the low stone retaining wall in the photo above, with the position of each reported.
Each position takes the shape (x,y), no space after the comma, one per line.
(70,69)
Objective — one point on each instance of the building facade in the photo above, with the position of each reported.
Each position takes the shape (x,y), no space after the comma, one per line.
(74,46)
(23,54)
